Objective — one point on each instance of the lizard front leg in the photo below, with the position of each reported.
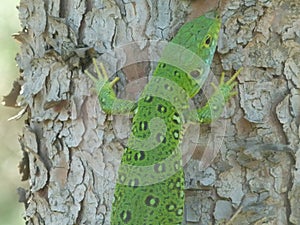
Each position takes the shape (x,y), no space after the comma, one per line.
(215,105)
(109,102)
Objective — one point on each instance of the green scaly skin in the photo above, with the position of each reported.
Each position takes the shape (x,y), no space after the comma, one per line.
(150,185)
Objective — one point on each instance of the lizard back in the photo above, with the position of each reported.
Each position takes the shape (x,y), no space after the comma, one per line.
(150,184)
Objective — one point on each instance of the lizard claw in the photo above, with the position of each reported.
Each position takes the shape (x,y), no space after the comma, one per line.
(114,81)
(230,82)
(102,77)
(226,87)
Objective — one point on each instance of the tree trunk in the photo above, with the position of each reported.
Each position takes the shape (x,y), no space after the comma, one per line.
(72,149)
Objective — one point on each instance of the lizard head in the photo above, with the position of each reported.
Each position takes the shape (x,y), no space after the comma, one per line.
(197,40)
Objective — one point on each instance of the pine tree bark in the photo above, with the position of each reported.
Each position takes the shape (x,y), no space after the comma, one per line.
(72,149)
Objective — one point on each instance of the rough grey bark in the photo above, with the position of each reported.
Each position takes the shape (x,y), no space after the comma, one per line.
(72,149)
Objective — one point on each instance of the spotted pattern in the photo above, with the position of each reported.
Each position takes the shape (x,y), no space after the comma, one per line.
(152,201)
(176,134)
(158,199)
(159,168)
(195,73)
(161,138)
(148,99)
(161,108)
(176,118)
(125,216)
(165,97)
(162,65)
(143,125)
(133,182)
(139,156)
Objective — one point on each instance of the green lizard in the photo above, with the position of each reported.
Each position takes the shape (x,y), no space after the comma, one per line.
(150,184)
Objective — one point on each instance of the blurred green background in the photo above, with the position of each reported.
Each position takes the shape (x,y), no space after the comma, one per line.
(11,211)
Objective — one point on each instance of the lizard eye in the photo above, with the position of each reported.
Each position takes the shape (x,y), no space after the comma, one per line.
(208,41)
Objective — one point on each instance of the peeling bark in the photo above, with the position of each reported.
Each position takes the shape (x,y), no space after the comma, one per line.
(72,149)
